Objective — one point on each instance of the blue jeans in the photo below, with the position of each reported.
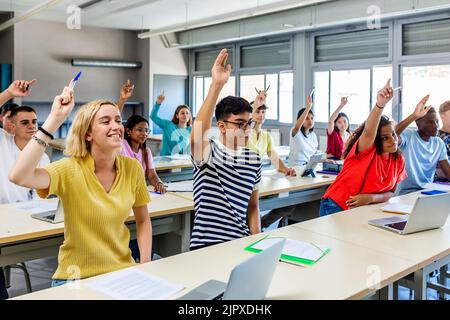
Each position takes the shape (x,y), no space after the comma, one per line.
(328,206)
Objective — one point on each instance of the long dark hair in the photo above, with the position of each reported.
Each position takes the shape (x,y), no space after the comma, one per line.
(354,137)
(302,129)
(131,123)
(342,115)
(178,109)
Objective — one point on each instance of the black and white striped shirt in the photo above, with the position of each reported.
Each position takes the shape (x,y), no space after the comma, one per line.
(223,185)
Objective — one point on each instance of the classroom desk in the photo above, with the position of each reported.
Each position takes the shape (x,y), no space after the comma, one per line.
(344,273)
(429,250)
(23,238)
(277,191)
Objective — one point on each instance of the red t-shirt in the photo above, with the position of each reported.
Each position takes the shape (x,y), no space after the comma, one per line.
(366,172)
(335,144)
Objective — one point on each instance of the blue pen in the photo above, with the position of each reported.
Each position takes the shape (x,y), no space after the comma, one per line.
(74,82)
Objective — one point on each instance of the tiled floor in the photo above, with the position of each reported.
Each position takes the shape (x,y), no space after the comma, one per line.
(42,270)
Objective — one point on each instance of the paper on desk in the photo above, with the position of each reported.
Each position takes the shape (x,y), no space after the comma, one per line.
(273,174)
(37,206)
(437,186)
(294,248)
(180,157)
(398,208)
(133,284)
(181,186)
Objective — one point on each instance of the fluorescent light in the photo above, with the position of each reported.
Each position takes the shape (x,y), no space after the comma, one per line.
(106,63)
(29,13)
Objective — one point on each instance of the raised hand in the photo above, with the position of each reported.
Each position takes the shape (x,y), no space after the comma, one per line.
(20,88)
(309,102)
(421,109)
(160,99)
(61,108)
(344,101)
(221,71)
(260,98)
(385,95)
(127,90)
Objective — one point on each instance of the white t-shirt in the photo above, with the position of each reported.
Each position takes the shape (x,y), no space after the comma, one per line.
(302,148)
(10,192)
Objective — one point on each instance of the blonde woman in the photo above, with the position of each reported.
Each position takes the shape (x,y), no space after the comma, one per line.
(97,187)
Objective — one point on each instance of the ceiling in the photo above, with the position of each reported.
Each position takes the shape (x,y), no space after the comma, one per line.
(152,14)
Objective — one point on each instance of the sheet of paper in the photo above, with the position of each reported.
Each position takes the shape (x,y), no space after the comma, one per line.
(294,248)
(181,186)
(398,208)
(273,174)
(33,207)
(437,186)
(184,157)
(133,284)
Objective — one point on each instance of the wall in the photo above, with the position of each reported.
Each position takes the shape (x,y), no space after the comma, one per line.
(6,42)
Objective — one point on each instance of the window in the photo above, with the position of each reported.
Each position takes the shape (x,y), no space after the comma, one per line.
(419,81)
(205,59)
(279,96)
(267,54)
(359,85)
(201,87)
(426,37)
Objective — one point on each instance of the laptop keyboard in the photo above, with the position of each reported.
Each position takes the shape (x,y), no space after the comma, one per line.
(50,217)
(398,226)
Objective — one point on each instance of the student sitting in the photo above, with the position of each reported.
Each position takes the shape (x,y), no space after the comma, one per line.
(261,141)
(444,134)
(422,148)
(5,117)
(176,132)
(338,131)
(303,140)
(97,188)
(134,145)
(373,164)
(226,174)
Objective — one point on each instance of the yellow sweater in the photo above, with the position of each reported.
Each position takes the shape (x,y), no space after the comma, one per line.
(261,146)
(95,235)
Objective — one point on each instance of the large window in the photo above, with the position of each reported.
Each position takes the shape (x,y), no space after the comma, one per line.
(359,85)
(419,81)
(279,93)
(201,87)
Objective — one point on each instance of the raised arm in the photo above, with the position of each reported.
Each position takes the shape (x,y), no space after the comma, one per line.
(333,117)
(220,73)
(125,93)
(162,123)
(420,111)
(19,88)
(259,100)
(369,134)
(24,171)
(300,121)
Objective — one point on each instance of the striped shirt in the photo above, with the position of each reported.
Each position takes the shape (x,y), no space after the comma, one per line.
(223,185)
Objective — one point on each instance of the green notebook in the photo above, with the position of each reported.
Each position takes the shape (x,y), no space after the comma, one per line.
(294,251)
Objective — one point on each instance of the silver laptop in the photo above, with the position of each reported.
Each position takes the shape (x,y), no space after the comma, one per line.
(54,216)
(249,280)
(429,212)
(308,169)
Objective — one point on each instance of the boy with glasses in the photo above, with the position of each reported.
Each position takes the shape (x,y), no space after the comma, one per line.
(226,173)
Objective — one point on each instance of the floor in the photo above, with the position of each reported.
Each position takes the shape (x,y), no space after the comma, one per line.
(42,270)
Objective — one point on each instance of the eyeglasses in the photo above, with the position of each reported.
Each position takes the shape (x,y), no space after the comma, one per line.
(143,130)
(243,125)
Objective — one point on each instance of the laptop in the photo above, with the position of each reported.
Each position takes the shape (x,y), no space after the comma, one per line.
(249,280)
(54,216)
(429,212)
(308,169)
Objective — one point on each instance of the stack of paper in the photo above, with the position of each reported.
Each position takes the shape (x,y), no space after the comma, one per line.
(133,284)
(293,250)
(400,208)
(181,186)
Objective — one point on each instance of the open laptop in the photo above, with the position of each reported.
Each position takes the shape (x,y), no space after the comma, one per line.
(308,169)
(249,280)
(54,216)
(429,212)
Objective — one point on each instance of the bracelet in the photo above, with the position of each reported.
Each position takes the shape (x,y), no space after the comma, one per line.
(48,134)
(40,141)
(376,104)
